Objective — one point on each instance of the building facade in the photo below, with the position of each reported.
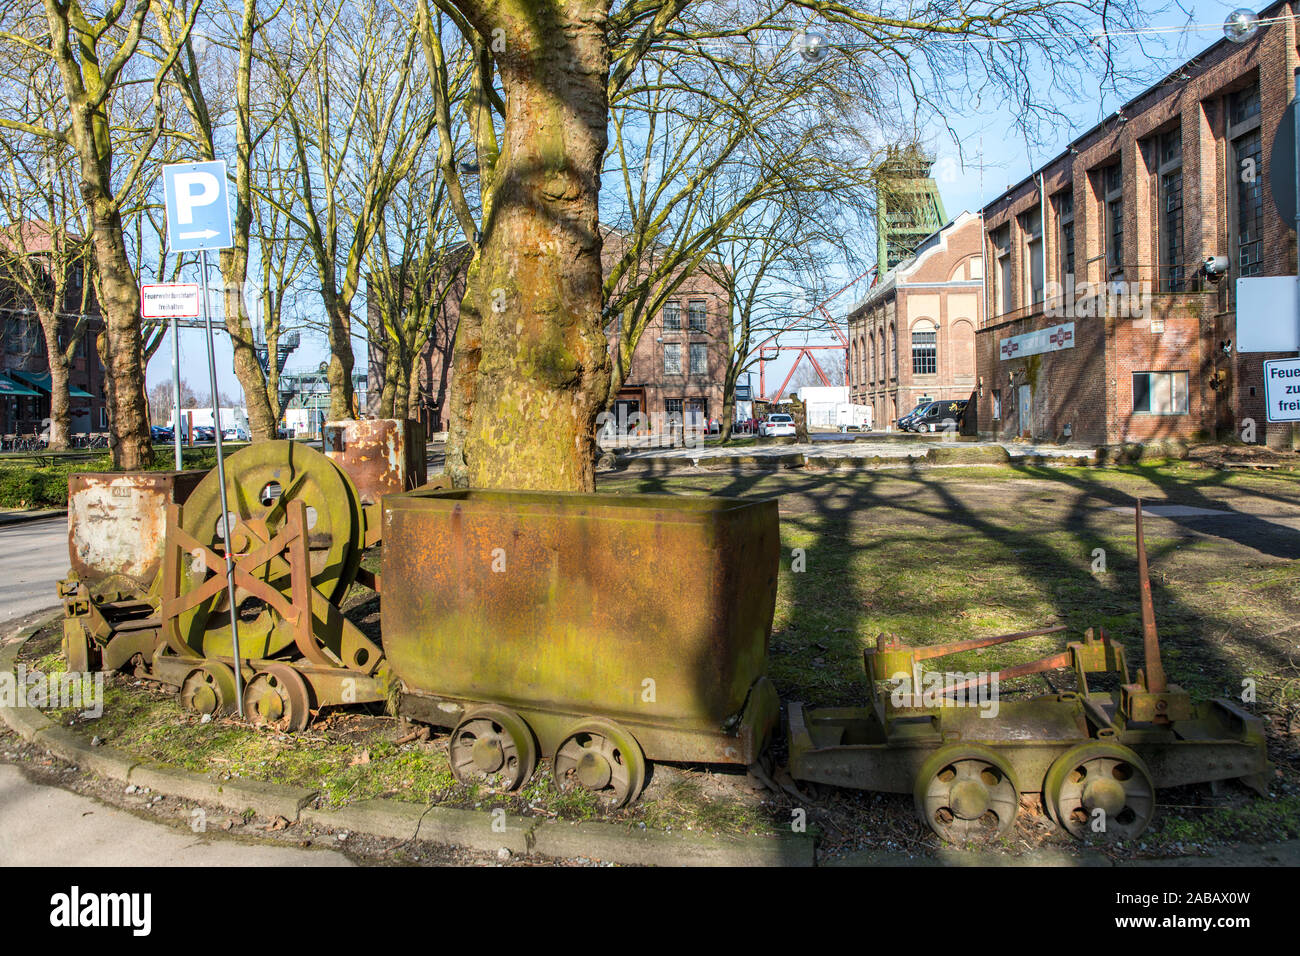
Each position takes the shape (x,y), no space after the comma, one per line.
(912,338)
(679,364)
(1104,325)
(25,381)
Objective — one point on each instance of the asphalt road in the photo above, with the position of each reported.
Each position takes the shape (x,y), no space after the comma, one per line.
(33,559)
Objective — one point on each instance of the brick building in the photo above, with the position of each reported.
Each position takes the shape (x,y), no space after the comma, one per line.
(680,361)
(1103,326)
(912,338)
(678,366)
(24,361)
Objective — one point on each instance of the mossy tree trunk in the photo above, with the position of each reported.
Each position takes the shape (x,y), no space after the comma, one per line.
(531,360)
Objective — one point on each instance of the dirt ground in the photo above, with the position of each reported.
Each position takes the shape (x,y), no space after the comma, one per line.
(928,555)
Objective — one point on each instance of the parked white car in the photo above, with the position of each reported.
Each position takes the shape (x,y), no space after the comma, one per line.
(775,425)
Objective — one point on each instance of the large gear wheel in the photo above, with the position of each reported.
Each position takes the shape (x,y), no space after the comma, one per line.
(261,480)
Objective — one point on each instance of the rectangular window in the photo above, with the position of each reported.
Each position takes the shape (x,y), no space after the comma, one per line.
(1065,216)
(672,359)
(1032,223)
(1112,186)
(1249,247)
(1002,284)
(697,311)
(1170,155)
(1171,229)
(924,349)
(1160,393)
(699,358)
(997,404)
(673,406)
(1243,104)
(672,316)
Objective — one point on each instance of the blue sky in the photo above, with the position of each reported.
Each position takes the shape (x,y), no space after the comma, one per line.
(992,157)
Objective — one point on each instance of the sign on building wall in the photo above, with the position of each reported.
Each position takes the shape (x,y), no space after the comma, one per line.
(1282,389)
(1035,343)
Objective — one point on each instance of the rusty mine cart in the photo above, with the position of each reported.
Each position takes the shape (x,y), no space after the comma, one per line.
(1096,756)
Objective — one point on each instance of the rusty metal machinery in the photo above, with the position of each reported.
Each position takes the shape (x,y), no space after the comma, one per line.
(296,532)
(601,632)
(1096,756)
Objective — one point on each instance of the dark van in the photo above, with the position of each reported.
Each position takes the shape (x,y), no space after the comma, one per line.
(942,416)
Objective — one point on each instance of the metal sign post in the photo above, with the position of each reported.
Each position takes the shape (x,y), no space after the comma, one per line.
(176,391)
(198,219)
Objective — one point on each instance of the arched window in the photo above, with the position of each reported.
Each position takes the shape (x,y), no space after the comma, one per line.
(893,351)
(925,349)
(871,360)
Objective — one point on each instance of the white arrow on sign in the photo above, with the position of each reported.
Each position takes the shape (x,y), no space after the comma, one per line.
(201,234)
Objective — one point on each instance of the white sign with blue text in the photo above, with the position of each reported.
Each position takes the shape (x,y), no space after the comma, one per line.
(198,211)
(1282,389)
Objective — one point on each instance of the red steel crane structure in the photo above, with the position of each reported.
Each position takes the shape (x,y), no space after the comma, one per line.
(768,353)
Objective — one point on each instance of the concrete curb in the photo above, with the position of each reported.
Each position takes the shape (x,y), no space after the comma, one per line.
(492,829)
(27,517)
(487,830)
(268,800)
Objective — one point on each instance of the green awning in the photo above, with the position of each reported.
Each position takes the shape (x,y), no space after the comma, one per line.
(41,380)
(11,389)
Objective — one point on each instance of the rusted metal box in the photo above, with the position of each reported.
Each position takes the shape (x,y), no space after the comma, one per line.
(117,521)
(380,455)
(652,610)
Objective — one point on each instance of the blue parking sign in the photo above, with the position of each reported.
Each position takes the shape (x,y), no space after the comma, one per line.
(198,212)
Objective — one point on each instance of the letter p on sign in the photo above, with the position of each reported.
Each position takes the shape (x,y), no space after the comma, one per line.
(198,211)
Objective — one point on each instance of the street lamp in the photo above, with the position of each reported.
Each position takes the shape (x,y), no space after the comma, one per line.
(1241,25)
(811,46)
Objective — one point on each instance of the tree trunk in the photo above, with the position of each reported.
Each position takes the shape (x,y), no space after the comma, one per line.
(413,393)
(728,415)
(388,394)
(124,361)
(60,402)
(339,374)
(532,363)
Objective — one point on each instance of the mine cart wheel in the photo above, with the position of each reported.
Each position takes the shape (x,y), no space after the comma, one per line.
(209,689)
(278,695)
(600,756)
(493,745)
(966,793)
(1100,776)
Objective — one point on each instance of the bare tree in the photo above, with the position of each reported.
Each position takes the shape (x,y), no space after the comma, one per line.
(357,125)
(95,57)
(44,252)
(415,264)
(531,345)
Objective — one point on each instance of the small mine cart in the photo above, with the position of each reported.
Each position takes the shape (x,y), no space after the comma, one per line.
(1096,756)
